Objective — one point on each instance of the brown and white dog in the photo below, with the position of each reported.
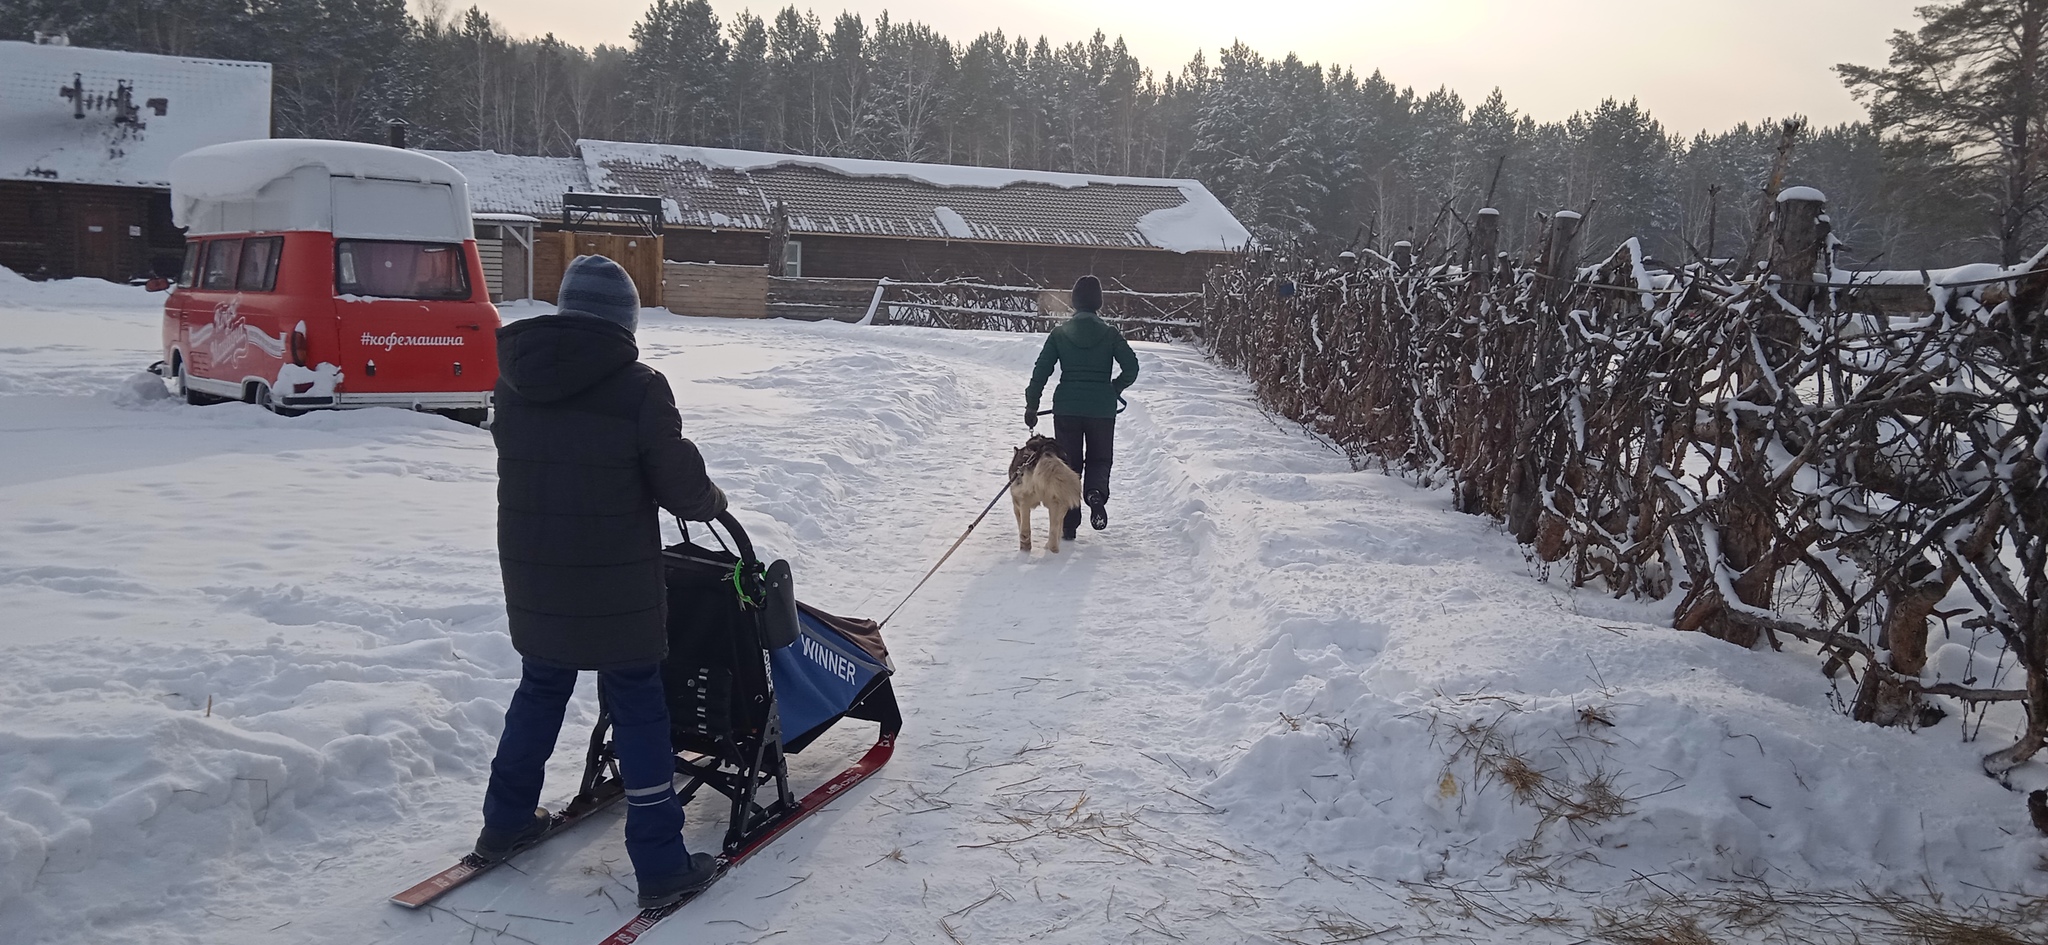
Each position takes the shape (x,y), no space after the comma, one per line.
(1039,475)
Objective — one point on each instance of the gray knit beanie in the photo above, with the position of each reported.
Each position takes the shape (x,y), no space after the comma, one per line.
(594,285)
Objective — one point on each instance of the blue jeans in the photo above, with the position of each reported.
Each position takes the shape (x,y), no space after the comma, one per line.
(640,736)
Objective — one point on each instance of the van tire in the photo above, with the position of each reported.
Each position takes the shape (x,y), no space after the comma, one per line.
(180,388)
(258,393)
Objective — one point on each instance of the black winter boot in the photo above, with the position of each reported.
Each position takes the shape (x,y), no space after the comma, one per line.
(665,890)
(1071,526)
(1098,513)
(494,845)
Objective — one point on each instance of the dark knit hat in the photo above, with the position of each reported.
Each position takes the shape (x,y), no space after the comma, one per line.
(594,285)
(1087,294)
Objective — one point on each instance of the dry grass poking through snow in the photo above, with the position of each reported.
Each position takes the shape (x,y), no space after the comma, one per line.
(1762,914)
(1566,781)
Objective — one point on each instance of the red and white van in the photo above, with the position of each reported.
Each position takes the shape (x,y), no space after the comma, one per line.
(327,274)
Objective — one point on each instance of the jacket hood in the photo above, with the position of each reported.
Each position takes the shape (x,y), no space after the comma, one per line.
(553,357)
(1087,329)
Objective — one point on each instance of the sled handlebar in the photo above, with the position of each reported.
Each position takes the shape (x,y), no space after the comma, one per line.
(743,545)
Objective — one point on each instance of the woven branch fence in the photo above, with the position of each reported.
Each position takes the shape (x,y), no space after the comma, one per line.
(1773,446)
(1141,316)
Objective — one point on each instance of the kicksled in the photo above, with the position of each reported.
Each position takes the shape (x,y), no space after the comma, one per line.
(752,677)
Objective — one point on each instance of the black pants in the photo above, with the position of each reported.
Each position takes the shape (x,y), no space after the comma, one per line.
(1090,445)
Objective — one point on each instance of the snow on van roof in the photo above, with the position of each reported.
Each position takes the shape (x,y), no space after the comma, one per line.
(298,183)
(241,169)
(106,117)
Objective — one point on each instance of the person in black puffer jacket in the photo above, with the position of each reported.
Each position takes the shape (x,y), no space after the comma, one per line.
(589,444)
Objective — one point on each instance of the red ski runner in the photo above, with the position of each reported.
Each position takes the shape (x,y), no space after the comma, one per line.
(821,795)
(470,867)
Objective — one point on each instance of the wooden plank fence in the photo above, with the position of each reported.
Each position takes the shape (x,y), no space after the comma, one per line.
(705,289)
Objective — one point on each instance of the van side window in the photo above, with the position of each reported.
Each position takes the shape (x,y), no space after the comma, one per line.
(189,275)
(259,264)
(222,258)
(388,269)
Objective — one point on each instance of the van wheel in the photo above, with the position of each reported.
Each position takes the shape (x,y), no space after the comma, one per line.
(474,416)
(180,388)
(259,394)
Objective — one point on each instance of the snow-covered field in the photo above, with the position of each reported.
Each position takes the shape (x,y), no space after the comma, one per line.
(252,670)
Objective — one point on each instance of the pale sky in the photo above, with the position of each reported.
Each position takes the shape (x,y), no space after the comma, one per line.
(1693,65)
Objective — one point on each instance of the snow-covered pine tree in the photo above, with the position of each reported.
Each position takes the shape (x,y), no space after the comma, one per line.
(1973,82)
(984,108)
(748,94)
(677,75)
(796,70)
(1225,151)
(912,73)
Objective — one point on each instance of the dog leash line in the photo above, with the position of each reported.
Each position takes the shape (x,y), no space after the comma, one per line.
(949,552)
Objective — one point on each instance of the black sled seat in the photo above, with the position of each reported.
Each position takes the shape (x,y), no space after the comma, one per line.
(753,676)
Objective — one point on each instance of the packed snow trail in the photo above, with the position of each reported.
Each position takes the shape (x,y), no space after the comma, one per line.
(254,667)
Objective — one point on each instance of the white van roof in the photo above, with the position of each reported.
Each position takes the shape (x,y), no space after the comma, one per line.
(344,187)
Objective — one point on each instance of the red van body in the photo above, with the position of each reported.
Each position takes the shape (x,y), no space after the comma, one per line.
(394,312)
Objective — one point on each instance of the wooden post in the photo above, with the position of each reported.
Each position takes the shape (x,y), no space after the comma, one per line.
(1485,246)
(1556,272)
(778,237)
(1713,221)
(1560,257)
(1799,245)
(1749,533)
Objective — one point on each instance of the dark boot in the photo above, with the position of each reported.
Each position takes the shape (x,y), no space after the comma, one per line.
(1071,526)
(493,845)
(667,890)
(1098,514)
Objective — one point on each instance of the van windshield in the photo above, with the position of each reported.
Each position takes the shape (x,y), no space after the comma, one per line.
(389,269)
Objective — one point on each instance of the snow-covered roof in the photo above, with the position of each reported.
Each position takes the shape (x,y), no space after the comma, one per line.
(719,188)
(716,187)
(352,189)
(100,116)
(513,183)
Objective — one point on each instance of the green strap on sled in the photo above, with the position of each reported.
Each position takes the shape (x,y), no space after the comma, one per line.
(739,586)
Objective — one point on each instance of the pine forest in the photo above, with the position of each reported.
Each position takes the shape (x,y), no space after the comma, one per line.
(1304,154)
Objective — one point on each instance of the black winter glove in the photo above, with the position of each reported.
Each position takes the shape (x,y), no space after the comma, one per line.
(1031,418)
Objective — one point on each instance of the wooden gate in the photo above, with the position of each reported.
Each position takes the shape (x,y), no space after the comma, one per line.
(99,240)
(639,254)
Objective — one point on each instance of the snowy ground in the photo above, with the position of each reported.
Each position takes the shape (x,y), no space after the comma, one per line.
(252,670)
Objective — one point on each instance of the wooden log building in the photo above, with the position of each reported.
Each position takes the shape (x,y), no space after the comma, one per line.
(86,141)
(835,218)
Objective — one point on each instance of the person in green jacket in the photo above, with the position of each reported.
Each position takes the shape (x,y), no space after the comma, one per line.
(1085,403)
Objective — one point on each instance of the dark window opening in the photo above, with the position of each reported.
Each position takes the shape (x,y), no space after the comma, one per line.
(162,231)
(259,264)
(189,275)
(387,269)
(223,257)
